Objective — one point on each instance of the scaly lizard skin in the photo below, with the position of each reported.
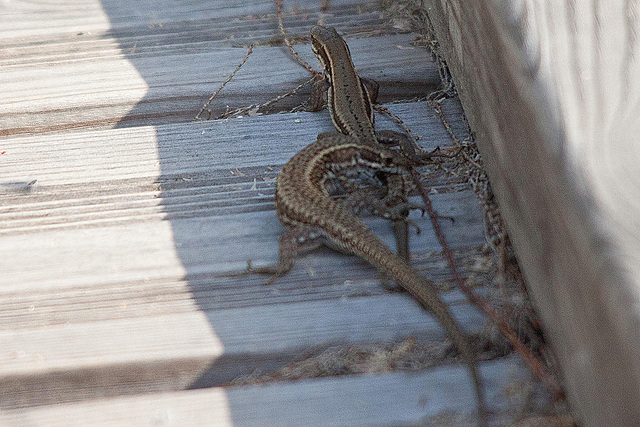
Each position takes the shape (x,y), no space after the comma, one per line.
(349,97)
(304,206)
(349,100)
(350,103)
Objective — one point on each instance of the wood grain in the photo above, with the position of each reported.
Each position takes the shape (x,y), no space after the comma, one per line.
(549,90)
(60,18)
(126,230)
(388,399)
(78,361)
(119,216)
(154,71)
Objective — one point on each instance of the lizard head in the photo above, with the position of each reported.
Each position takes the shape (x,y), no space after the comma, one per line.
(326,43)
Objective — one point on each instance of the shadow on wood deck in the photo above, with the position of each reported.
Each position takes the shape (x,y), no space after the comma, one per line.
(119,213)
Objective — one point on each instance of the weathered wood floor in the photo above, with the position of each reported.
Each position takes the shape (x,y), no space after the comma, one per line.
(117,212)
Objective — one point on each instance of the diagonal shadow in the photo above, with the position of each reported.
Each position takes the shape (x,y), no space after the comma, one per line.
(209,208)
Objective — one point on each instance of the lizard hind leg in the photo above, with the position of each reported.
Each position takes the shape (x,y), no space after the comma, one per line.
(380,203)
(294,240)
(393,203)
(406,146)
(380,206)
(388,202)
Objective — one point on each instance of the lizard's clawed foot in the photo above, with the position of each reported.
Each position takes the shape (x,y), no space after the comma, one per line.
(245,272)
(275,271)
(292,241)
(413,224)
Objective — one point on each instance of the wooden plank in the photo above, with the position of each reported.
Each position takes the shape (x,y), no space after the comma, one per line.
(107,242)
(164,209)
(137,31)
(77,361)
(180,149)
(441,396)
(135,79)
(167,250)
(317,277)
(67,17)
(550,91)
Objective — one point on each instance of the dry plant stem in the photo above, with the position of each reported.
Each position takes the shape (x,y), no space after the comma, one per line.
(266,104)
(291,92)
(538,369)
(206,104)
(396,119)
(288,43)
(536,366)
(453,136)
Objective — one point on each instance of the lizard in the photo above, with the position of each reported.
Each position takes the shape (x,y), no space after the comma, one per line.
(349,100)
(311,217)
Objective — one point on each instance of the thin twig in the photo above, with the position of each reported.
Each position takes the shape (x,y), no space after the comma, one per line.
(291,92)
(538,369)
(536,366)
(398,120)
(288,43)
(266,104)
(453,136)
(206,104)
(235,111)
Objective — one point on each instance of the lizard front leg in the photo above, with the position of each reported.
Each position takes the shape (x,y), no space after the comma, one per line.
(293,241)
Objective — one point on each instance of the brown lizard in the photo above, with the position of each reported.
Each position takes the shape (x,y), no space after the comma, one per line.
(350,99)
(312,217)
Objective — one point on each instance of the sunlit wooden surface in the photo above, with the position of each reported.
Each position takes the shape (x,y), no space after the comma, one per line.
(118,212)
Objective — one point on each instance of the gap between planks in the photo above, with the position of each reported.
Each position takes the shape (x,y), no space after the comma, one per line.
(438,396)
(45,365)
